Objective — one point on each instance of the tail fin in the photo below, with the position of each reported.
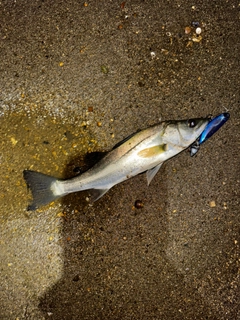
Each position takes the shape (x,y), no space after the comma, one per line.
(40,186)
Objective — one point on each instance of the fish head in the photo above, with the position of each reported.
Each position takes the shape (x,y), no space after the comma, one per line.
(184,132)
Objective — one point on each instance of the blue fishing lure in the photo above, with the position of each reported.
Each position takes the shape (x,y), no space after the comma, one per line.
(213,126)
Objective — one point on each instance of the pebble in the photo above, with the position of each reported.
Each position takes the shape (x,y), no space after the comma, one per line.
(153,54)
(104,69)
(198,30)
(14,141)
(138,204)
(195,24)
(90,109)
(212,204)
(187,30)
(196,38)
(76,278)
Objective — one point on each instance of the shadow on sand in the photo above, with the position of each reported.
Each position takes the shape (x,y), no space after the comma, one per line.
(115,265)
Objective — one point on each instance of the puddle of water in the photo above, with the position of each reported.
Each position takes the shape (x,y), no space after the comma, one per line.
(30,140)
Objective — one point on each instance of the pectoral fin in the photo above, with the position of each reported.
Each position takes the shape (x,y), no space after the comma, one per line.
(152,172)
(152,151)
(97,194)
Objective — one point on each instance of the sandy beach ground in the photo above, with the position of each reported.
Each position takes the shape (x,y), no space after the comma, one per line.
(76,78)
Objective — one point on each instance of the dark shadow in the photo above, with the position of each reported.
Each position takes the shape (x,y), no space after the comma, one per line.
(75,202)
(115,265)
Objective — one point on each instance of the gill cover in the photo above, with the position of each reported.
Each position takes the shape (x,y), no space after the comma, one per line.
(183,133)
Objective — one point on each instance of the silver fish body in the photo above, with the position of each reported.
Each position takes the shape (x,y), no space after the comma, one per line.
(143,151)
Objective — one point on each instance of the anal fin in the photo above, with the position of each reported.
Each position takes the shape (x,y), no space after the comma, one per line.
(96,194)
(152,172)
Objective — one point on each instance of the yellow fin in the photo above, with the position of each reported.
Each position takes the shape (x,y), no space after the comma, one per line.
(152,151)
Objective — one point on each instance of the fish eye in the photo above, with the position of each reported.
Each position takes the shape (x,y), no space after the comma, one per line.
(191,123)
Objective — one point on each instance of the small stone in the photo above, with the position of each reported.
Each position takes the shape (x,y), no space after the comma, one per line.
(122,5)
(104,69)
(198,30)
(195,24)
(188,30)
(138,204)
(212,204)
(196,38)
(76,278)
(90,109)
(153,54)
(14,141)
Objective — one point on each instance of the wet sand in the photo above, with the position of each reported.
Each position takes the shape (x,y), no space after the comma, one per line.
(78,77)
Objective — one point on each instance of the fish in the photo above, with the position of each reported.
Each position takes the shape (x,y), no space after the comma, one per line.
(213,126)
(143,151)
